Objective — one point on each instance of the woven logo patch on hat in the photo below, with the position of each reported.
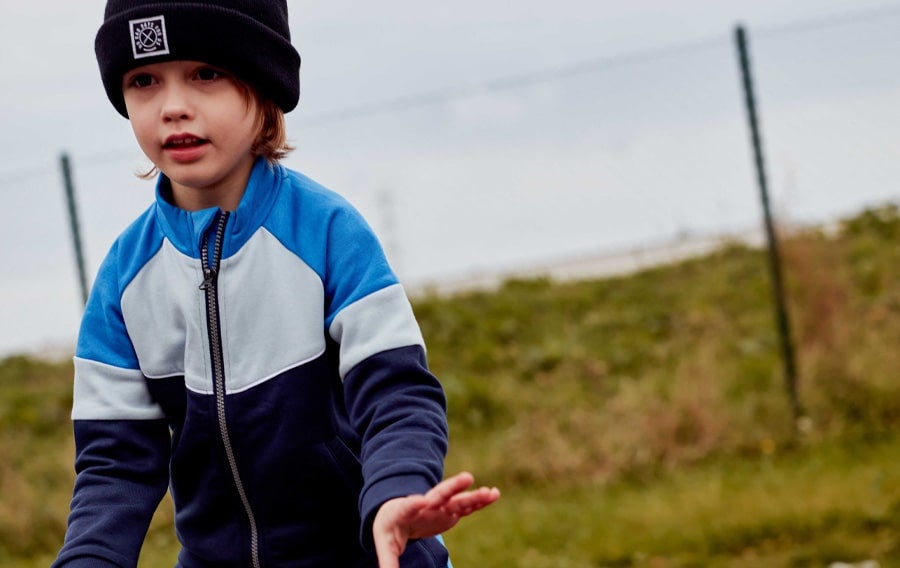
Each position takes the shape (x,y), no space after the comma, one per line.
(148,37)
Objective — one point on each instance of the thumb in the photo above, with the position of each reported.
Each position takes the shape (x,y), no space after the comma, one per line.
(391,528)
(388,552)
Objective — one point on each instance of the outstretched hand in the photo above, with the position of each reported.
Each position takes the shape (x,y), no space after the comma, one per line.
(422,516)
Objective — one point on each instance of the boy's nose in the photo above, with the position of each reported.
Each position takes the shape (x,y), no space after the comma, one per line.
(176,104)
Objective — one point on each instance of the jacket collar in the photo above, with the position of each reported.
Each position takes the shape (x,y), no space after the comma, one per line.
(185,229)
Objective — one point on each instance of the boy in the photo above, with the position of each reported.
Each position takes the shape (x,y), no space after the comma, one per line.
(245,343)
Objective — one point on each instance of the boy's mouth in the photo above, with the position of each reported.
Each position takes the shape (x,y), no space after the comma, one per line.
(183,141)
(185,148)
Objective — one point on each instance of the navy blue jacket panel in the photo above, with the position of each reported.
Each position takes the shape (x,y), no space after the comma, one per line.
(280,411)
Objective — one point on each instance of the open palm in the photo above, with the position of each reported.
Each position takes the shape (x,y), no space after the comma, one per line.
(420,516)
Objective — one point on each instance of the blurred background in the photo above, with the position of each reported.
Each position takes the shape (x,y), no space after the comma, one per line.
(568,192)
(482,138)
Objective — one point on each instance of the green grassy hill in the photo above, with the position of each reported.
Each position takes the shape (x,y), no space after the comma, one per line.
(632,421)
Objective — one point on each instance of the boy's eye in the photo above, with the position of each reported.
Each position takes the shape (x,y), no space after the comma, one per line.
(142,80)
(208,74)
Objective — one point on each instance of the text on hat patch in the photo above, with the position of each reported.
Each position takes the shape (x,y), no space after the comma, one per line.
(148,37)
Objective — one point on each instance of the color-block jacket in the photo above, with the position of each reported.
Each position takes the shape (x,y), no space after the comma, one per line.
(267,364)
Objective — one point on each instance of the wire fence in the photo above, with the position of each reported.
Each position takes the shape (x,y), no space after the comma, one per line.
(598,165)
(619,153)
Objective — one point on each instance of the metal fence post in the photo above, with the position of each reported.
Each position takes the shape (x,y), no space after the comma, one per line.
(781,314)
(73,223)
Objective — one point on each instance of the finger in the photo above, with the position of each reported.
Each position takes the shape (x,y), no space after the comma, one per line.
(387,557)
(389,546)
(469,502)
(447,489)
(409,508)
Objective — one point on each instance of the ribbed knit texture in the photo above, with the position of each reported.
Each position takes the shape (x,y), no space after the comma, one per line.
(249,38)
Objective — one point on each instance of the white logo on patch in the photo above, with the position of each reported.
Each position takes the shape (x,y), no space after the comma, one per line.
(148,37)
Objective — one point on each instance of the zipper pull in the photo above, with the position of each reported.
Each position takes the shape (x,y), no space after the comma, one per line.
(211,268)
(209,278)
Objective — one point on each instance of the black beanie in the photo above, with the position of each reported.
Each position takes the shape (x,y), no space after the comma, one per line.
(249,38)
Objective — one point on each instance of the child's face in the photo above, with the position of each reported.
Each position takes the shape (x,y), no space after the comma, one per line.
(197,126)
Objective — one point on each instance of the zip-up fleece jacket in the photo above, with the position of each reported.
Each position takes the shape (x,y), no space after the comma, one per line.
(264,365)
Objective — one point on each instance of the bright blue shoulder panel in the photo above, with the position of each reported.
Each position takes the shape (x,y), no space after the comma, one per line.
(103,336)
(330,236)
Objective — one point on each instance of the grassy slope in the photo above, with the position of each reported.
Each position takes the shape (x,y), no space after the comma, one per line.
(629,421)
(809,508)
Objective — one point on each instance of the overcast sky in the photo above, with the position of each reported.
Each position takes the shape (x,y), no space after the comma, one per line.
(624,126)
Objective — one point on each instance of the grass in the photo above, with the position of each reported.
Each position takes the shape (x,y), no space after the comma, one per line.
(809,507)
(632,421)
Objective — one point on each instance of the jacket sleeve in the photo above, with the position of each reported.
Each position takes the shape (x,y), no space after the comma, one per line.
(395,404)
(121,439)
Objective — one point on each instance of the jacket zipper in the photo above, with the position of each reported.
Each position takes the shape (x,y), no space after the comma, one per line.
(210,288)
